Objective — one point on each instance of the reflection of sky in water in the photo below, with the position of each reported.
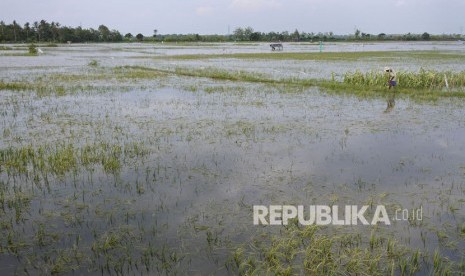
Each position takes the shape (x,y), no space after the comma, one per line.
(211,151)
(65,57)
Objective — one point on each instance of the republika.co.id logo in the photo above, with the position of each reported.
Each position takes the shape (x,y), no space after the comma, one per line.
(326,215)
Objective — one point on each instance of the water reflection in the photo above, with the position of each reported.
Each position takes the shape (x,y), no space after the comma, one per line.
(391,102)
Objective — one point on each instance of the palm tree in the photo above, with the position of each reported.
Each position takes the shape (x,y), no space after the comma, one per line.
(14,28)
(36,30)
(2,26)
(44,30)
(54,29)
(27,28)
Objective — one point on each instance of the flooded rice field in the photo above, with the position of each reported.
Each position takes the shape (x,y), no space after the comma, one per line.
(113,160)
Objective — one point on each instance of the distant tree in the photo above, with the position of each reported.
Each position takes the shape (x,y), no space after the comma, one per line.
(27,29)
(357,34)
(54,27)
(44,30)
(66,34)
(296,35)
(104,32)
(2,30)
(248,32)
(36,30)
(255,36)
(238,33)
(331,35)
(425,36)
(14,28)
(311,35)
(366,36)
(115,36)
(284,36)
(410,37)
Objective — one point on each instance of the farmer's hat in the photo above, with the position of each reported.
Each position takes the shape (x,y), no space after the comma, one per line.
(387,69)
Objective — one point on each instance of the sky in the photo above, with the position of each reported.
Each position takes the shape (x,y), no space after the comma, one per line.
(223,16)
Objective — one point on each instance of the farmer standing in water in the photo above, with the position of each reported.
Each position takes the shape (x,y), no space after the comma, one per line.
(392,81)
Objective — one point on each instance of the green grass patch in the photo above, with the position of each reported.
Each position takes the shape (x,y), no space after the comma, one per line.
(93,63)
(17,54)
(137,72)
(60,159)
(422,85)
(15,86)
(310,250)
(359,89)
(424,79)
(332,56)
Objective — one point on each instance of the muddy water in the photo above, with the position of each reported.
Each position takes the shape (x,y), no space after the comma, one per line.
(212,156)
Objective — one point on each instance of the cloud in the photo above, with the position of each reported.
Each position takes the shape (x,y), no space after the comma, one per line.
(254,5)
(204,10)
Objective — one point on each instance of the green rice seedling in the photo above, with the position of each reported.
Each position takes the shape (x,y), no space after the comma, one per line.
(45,237)
(238,256)
(93,63)
(63,160)
(403,267)
(442,235)
(111,164)
(15,86)
(415,261)
(390,247)
(437,261)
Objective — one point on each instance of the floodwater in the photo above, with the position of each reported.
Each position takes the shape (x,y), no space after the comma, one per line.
(185,203)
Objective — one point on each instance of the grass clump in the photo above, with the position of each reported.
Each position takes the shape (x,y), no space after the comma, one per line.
(93,63)
(224,75)
(60,159)
(424,79)
(368,85)
(15,86)
(137,72)
(310,250)
(32,49)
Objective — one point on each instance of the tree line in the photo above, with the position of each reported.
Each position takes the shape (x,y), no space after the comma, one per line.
(43,31)
(248,34)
